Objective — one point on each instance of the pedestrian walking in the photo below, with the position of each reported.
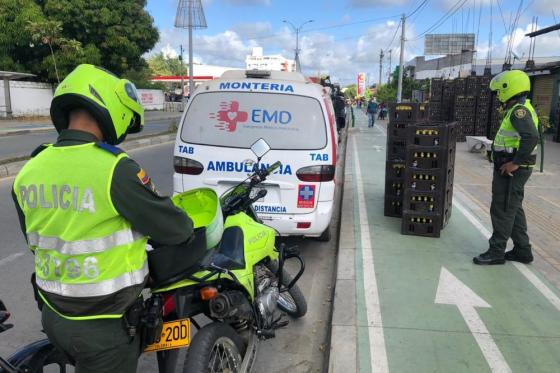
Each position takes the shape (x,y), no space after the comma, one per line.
(514,154)
(339,110)
(371,110)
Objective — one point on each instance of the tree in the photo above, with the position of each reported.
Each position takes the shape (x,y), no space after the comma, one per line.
(49,33)
(163,65)
(351,91)
(111,33)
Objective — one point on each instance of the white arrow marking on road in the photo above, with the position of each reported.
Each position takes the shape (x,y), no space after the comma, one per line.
(452,291)
(377,148)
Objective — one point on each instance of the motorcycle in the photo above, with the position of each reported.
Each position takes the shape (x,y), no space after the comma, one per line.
(240,285)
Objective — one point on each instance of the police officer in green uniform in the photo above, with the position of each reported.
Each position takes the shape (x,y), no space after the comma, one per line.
(87,211)
(514,154)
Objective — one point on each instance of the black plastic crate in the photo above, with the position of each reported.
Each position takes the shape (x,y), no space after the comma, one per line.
(426,158)
(393,206)
(396,148)
(436,111)
(427,180)
(397,129)
(460,86)
(421,224)
(432,134)
(423,201)
(472,85)
(394,187)
(408,112)
(395,169)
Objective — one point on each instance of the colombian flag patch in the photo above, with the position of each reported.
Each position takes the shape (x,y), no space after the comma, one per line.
(144,178)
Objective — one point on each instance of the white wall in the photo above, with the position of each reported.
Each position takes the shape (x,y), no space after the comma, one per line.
(152,99)
(28,98)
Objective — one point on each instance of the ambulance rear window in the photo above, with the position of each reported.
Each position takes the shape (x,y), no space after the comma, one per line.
(238,119)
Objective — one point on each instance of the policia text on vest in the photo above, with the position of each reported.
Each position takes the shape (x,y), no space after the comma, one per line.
(57,197)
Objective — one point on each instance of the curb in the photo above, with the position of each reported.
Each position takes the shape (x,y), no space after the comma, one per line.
(51,128)
(12,168)
(343,338)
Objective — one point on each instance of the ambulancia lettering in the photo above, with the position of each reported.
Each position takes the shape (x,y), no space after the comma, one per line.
(225,166)
(57,197)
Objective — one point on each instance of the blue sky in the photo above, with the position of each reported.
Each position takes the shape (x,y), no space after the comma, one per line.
(347,35)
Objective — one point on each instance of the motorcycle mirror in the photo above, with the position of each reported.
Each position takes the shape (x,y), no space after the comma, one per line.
(260,148)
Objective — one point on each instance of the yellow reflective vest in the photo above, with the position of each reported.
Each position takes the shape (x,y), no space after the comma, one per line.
(89,262)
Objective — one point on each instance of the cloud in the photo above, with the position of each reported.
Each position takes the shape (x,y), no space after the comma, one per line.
(252,30)
(320,52)
(169,52)
(376,3)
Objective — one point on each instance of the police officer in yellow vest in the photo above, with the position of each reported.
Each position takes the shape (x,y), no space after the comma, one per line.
(514,153)
(87,211)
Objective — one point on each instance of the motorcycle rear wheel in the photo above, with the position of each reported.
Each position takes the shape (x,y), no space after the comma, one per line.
(215,348)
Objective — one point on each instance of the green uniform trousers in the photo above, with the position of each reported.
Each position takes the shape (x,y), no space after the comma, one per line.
(96,346)
(506,211)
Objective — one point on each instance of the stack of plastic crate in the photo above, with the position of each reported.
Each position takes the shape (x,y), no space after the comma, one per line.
(401,117)
(428,178)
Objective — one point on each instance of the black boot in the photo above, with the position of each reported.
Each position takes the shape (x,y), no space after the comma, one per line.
(515,256)
(489,258)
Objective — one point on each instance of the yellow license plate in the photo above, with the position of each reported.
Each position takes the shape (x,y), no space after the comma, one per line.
(175,334)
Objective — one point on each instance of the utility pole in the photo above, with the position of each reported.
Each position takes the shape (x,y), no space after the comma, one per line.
(401,61)
(191,79)
(390,66)
(380,67)
(182,73)
(297,30)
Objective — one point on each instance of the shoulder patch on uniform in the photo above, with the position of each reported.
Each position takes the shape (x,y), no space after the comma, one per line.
(109,148)
(520,113)
(147,181)
(143,176)
(39,149)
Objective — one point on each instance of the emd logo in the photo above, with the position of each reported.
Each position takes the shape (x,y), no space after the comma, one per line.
(228,116)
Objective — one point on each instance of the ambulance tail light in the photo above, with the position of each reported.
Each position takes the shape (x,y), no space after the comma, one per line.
(187,166)
(316,174)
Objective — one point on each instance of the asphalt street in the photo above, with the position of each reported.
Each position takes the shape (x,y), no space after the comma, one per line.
(23,145)
(300,347)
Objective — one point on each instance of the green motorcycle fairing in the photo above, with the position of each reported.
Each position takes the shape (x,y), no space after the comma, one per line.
(258,239)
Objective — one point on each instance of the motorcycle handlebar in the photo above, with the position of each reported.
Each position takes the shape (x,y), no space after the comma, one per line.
(273,167)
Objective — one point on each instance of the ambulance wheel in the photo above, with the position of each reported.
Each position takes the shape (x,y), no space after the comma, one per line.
(326,235)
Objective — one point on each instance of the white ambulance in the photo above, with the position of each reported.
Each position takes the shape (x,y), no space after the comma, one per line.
(295,117)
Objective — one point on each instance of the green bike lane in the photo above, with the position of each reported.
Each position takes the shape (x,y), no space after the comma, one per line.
(486,318)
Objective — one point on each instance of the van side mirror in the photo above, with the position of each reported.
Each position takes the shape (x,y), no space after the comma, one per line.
(260,148)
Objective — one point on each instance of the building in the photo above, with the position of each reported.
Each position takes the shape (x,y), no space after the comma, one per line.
(543,71)
(461,65)
(202,73)
(257,61)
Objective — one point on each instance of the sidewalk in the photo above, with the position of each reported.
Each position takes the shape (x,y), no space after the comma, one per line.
(10,127)
(413,304)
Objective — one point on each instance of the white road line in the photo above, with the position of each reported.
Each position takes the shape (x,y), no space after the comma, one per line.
(525,271)
(10,258)
(377,350)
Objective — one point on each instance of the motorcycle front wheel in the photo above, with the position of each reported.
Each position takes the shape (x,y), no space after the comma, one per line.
(292,301)
(215,348)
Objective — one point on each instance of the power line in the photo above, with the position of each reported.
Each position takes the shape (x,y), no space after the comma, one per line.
(340,25)
(417,8)
(394,36)
(458,5)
